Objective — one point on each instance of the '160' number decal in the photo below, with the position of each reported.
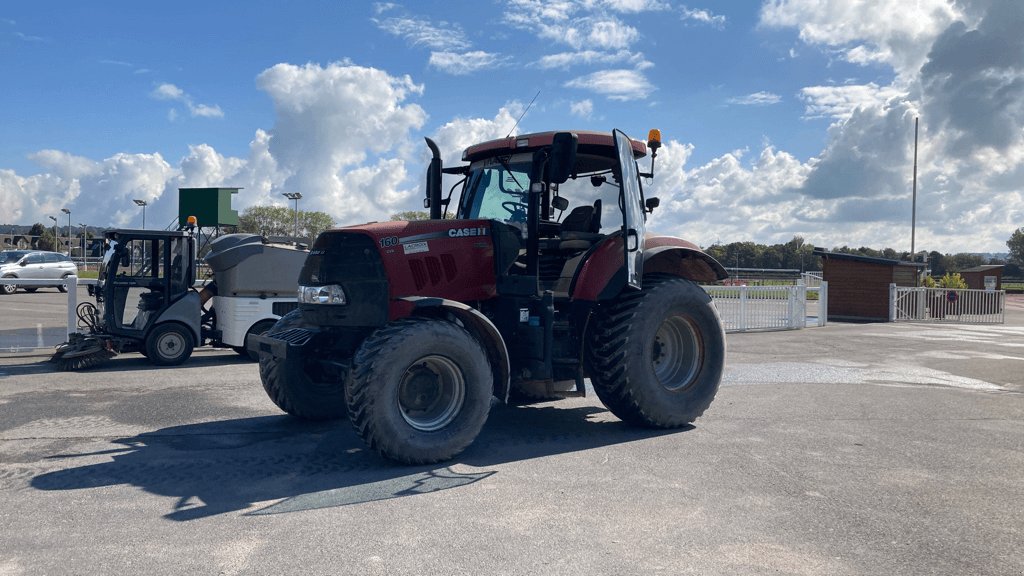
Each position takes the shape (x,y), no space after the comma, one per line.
(385,242)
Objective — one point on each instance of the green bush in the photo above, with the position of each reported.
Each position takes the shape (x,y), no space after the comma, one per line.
(952,280)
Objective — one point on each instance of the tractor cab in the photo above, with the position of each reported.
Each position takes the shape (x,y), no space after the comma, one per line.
(145,279)
(530,182)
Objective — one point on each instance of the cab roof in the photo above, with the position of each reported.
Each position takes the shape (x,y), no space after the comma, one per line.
(589,143)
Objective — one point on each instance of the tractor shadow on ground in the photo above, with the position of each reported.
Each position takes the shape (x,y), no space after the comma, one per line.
(282,464)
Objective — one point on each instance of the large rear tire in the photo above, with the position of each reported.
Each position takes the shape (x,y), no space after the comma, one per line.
(169,344)
(656,356)
(293,390)
(420,390)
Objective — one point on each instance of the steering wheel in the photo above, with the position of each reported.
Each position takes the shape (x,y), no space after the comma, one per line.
(516,210)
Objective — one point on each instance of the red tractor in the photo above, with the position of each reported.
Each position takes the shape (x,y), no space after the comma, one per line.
(410,328)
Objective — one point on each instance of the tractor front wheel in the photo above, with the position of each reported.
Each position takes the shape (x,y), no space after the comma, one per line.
(656,356)
(290,387)
(420,390)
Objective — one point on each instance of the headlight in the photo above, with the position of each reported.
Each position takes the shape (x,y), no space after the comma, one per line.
(321,294)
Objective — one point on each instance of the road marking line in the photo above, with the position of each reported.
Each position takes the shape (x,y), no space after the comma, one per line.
(39,335)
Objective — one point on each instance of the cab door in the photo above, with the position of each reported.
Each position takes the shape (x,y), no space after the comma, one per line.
(633,216)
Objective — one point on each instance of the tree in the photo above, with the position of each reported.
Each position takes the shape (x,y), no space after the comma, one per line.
(46,241)
(937,263)
(311,224)
(414,215)
(1016,246)
(280,221)
(959,262)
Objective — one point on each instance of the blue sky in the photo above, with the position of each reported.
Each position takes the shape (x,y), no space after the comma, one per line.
(781,118)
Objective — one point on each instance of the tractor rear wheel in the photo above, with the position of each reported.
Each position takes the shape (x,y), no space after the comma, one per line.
(420,390)
(656,356)
(293,391)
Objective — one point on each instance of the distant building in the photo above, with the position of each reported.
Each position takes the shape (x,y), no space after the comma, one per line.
(989,277)
(858,286)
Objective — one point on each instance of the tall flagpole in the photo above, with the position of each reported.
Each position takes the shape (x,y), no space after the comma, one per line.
(913,210)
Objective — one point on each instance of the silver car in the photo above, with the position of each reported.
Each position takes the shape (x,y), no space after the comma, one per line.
(35,265)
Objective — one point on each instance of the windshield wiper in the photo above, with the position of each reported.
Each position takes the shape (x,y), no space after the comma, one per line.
(504,164)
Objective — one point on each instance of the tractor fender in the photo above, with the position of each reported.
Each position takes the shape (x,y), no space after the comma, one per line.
(478,325)
(186,311)
(689,262)
(602,275)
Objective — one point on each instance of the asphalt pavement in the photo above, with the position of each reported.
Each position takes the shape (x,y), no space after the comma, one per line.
(846,449)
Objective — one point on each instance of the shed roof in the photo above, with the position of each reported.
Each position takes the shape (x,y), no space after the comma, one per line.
(983,268)
(869,259)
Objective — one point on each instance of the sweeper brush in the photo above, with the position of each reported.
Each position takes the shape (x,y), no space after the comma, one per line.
(81,352)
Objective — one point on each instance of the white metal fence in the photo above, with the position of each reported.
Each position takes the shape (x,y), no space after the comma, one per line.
(769,307)
(741,307)
(946,305)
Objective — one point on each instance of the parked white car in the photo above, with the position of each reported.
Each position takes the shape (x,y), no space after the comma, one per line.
(35,265)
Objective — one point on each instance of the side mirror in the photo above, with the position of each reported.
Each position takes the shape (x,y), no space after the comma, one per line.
(559,203)
(23,262)
(563,157)
(651,204)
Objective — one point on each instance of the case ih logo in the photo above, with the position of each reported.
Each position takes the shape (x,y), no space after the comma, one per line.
(462,232)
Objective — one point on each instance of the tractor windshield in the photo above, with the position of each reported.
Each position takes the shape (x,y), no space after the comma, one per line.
(497,188)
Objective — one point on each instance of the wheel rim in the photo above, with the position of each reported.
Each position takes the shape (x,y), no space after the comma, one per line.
(431,393)
(676,353)
(170,345)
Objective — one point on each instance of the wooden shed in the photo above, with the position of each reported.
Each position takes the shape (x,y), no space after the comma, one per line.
(858,286)
(977,277)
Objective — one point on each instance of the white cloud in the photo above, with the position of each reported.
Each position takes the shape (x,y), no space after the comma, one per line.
(703,17)
(895,33)
(564,60)
(584,109)
(173,93)
(756,99)
(557,21)
(460,64)
(330,120)
(168,92)
(633,6)
(420,33)
(615,84)
(841,101)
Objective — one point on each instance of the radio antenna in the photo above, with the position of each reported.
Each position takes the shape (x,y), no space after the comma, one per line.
(523,114)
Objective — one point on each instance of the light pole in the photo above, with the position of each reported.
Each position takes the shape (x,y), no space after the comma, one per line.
(295,196)
(54,231)
(68,212)
(85,232)
(143,204)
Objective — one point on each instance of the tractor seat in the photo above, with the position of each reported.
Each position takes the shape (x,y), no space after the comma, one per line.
(580,228)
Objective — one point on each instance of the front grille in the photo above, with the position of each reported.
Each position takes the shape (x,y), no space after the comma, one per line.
(282,308)
(294,336)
